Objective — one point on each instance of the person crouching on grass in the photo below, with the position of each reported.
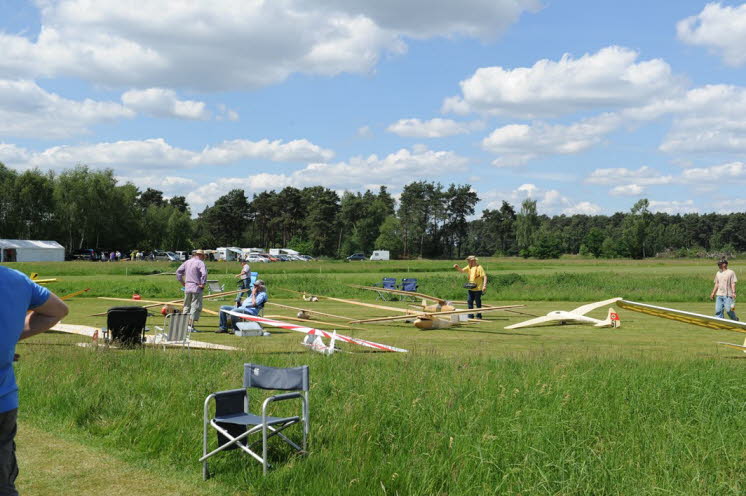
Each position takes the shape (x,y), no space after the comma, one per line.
(251,306)
(725,290)
(477,284)
(27,309)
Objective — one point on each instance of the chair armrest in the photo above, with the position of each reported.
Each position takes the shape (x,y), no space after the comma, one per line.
(280,397)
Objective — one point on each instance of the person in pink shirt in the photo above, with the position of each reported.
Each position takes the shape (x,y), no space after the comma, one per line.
(192,274)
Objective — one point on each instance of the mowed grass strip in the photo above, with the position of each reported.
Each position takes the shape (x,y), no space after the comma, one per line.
(51,465)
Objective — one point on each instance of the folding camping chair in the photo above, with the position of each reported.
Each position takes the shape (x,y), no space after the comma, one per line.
(408,284)
(175,330)
(125,326)
(387,283)
(215,287)
(235,424)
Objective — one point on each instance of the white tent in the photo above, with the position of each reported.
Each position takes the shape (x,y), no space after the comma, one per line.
(25,250)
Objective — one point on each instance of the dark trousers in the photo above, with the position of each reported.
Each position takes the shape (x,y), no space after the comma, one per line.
(475,297)
(8,465)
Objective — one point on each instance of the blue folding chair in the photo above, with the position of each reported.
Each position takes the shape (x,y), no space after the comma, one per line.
(387,283)
(408,284)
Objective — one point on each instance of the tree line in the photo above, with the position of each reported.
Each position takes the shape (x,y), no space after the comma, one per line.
(87,208)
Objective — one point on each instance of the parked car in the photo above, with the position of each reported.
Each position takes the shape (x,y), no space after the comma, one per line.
(269,257)
(256,258)
(166,255)
(85,254)
(306,257)
(357,256)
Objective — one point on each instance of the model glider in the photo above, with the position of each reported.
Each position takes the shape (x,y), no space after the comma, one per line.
(689,318)
(576,316)
(313,336)
(94,332)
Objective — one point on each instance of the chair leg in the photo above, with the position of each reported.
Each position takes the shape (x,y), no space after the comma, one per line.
(264,448)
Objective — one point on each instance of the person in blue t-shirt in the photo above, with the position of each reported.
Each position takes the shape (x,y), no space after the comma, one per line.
(27,309)
(252,305)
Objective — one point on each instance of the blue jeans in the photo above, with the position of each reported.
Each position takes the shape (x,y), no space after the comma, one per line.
(243,284)
(224,316)
(475,297)
(724,303)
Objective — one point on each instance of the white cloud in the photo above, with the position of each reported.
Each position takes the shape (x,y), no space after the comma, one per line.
(228,44)
(519,143)
(720,28)
(483,19)
(583,208)
(160,102)
(730,205)
(627,190)
(358,173)
(364,132)
(732,172)
(707,120)
(644,176)
(610,78)
(673,207)
(158,154)
(548,201)
(27,110)
(434,128)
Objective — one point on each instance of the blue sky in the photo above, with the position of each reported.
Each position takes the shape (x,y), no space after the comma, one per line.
(584,106)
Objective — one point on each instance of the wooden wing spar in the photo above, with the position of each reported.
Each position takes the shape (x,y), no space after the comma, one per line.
(432,315)
(315,333)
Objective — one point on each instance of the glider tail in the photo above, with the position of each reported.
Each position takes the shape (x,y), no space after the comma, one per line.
(612,320)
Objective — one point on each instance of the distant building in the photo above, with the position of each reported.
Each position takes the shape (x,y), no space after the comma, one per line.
(26,250)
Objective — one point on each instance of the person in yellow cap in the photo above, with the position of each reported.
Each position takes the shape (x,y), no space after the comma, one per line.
(477,284)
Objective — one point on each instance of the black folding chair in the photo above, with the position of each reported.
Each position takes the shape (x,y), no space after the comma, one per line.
(234,423)
(125,326)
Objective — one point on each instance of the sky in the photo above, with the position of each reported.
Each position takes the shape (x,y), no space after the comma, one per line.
(584,106)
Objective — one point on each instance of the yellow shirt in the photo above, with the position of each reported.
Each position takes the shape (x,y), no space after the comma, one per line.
(476,275)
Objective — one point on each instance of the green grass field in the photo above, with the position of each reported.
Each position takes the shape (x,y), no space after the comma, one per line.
(654,407)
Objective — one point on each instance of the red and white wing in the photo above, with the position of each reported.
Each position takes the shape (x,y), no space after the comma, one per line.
(314,332)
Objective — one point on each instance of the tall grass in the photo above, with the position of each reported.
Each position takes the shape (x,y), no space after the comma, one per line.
(650,408)
(421,424)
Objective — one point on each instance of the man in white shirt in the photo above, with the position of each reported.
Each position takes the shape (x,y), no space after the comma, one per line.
(725,290)
(244,282)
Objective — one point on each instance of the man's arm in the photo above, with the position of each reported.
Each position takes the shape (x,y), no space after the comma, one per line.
(714,290)
(484,284)
(180,273)
(455,266)
(44,317)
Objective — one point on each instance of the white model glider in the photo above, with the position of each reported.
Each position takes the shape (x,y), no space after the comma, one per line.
(689,318)
(93,333)
(313,336)
(576,316)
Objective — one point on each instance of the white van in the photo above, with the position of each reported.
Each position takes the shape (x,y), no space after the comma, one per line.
(380,255)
